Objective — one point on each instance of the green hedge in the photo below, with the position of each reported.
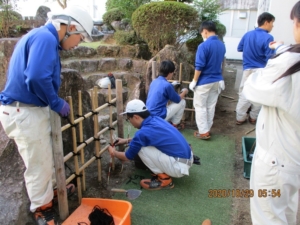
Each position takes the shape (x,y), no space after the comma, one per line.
(112,15)
(161,23)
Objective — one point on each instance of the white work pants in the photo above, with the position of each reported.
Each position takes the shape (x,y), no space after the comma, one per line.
(159,162)
(243,104)
(175,112)
(270,175)
(205,100)
(30,128)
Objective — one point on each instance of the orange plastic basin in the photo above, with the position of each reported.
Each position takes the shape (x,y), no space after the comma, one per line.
(119,209)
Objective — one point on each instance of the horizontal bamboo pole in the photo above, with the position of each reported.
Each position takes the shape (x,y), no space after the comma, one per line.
(63,128)
(88,141)
(89,162)
(187,109)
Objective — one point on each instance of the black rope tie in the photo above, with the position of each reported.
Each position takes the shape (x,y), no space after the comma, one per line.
(94,113)
(77,175)
(110,128)
(78,116)
(78,153)
(96,139)
(69,121)
(81,142)
(97,157)
(111,104)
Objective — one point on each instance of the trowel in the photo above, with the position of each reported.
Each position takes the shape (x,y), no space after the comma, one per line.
(130,194)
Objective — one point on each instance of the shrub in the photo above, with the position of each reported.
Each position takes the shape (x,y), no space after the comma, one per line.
(192,44)
(161,23)
(127,6)
(112,15)
(126,37)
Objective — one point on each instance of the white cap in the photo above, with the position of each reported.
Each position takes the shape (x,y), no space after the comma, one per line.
(74,15)
(103,82)
(135,106)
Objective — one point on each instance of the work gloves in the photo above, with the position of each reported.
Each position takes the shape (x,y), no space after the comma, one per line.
(184,90)
(192,85)
(64,112)
(175,83)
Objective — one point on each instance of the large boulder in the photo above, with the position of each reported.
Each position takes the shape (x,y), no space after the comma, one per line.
(14,203)
(7,46)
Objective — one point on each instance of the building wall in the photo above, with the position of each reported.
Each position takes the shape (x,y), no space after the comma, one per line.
(237,26)
(237,23)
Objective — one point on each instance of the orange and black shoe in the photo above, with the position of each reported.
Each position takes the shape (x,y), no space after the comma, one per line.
(157,182)
(44,215)
(70,190)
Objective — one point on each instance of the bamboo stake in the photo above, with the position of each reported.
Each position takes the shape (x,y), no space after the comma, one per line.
(81,139)
(74,139)
(58,156)
(119,104)
(96,128)
(111,134)
(225,96)
(250,131)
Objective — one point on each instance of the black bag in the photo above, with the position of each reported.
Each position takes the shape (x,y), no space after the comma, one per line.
(101,216)
(112,80)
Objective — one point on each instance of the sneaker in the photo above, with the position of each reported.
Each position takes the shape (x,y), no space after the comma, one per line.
(204,136)
(179,126)
(252,121)
(44,215)
(70,191)
(157,182)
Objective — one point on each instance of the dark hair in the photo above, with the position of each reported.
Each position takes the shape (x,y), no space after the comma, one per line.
(208,25)
(295,13)
(144,114)
(265,17)
(166,67)
(294,68)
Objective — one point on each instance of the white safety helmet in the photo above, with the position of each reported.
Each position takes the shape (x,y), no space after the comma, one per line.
(75,15)
(104,82)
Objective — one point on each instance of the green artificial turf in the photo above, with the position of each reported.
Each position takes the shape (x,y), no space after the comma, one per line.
(188,202)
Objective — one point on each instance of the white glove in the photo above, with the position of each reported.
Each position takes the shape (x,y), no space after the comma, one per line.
(174,83)
(275,44)
(184,90)
(192,85)
(221,86)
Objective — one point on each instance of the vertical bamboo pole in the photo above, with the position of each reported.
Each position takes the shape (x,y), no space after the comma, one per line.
(58,158)
(111,132)
(81,139)
(96,129)
(119,104)
(180,73)
(180,80)
(74,143)
(153,70)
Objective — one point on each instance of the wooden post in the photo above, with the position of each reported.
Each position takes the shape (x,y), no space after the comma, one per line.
(119,104)
(58,158)
(81,139)
(74,143)
(153,70)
